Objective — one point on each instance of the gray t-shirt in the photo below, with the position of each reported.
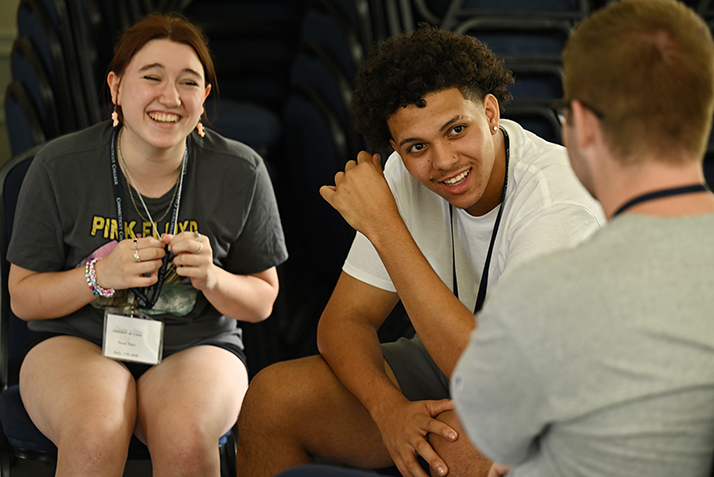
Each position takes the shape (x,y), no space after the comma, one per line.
(599,361)
(66,214)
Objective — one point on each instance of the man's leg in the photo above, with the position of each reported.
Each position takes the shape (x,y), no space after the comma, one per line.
(461,456)
(298,409)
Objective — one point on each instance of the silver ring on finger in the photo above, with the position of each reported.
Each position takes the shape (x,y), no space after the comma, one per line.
(136,256)
(136,244)
(200,247)
(197,235)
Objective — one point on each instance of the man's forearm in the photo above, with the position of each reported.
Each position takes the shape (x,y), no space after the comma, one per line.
(348,341)
(359,365)
(441,320)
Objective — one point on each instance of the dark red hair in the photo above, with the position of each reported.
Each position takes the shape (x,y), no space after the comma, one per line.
(158,26)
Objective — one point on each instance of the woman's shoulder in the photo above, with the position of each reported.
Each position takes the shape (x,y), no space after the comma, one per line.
(79,145)
(214,147)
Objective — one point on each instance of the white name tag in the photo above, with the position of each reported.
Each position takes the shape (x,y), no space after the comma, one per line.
(132,339)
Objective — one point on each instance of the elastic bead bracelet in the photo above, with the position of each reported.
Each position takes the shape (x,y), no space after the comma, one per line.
(90,274)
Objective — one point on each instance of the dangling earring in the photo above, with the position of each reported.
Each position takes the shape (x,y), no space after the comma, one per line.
(115,117)
(199,128)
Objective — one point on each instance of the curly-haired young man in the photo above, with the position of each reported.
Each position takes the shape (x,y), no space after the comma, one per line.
(465,195)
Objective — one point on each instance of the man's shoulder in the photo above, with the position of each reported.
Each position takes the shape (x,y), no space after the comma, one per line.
(394,168)
(530,151)
(542,175)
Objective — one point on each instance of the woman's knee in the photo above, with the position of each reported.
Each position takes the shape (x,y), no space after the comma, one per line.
(105,413)
(98,439)
(187,444)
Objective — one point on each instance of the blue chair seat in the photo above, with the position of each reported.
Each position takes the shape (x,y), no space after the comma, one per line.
(17,426)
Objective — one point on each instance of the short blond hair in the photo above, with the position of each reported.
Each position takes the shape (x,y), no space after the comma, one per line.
(648,67)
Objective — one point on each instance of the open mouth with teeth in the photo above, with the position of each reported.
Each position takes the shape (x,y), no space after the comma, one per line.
(164,117)
(458,179)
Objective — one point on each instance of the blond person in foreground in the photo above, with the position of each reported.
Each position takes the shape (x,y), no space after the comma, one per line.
(597,361)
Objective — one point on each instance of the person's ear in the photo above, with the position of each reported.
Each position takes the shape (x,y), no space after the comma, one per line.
(585,123)
(492,112)
(113,82)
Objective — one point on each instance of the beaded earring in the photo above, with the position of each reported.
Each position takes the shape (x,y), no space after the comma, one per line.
(115,117)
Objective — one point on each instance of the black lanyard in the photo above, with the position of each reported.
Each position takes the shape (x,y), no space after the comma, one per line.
(487,265)
(690,189)
(155,290)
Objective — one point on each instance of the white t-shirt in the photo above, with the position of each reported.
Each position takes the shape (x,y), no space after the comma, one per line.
(546,208)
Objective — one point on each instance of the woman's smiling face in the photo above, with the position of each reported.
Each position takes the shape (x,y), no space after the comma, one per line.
(161,93)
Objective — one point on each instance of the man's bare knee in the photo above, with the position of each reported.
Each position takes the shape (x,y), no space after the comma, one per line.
(273,394)
(461,457)
(271,420)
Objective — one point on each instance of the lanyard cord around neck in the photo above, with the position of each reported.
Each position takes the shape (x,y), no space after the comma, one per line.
(659,194)
(144,301)
(487,265)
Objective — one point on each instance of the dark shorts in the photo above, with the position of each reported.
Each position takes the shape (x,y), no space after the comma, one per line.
(136,369)
(418,375)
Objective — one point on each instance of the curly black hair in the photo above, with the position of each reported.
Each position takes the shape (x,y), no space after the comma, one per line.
(406,68)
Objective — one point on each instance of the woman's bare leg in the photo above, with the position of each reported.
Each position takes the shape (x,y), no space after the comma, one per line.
(83,402)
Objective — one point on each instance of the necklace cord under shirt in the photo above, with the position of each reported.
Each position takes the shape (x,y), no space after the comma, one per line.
(130,186)
(659,194)
(154,291)
(483,285)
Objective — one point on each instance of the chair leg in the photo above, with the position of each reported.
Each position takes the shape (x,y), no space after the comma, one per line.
(228,455)
(5,456)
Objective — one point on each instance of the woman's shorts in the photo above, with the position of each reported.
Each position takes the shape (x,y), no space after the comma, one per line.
(136,369)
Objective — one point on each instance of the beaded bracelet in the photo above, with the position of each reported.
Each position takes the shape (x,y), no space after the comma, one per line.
(91,275)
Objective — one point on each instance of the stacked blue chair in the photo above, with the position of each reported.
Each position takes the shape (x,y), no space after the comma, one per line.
(571,11)
(66,31)
(315,66)
(529,36)
(316,148)
(319,140)
(252,42)
(23,122)
(27,68)
(325,25)
(519,37)
(34,23)
(361,15)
